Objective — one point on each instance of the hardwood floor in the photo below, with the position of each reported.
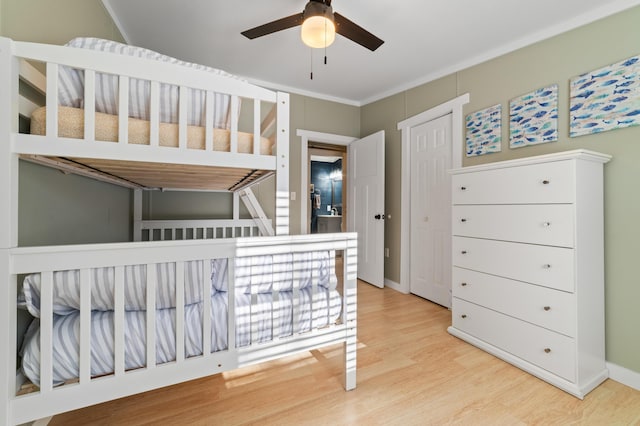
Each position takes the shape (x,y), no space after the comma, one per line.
(410,372)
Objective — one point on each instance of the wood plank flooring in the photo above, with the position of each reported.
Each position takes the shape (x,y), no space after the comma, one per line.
(410,372)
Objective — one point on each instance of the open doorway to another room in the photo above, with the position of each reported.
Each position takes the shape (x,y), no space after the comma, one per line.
(327,200)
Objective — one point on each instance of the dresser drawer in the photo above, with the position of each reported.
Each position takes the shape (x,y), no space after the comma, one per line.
(548,308)
(549,224)
(547,266)
(552,182)
(547,349)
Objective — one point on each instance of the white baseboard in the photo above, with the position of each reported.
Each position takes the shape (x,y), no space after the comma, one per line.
(624,375)
(394,286)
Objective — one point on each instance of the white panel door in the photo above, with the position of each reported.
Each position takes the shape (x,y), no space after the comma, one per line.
(365,214)
(430,275)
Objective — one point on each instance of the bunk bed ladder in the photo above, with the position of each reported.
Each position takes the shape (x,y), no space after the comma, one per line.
(249,199)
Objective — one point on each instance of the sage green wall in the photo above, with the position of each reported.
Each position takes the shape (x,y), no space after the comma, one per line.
(553,61)
(55,22)
(55,208)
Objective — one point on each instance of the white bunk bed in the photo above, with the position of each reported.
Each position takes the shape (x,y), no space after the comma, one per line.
(269,304)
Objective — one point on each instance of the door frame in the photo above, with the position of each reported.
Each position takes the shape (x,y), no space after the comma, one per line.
(453,107)
(307,136)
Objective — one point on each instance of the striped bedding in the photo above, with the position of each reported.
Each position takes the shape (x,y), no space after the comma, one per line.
(259,275)
(71,88)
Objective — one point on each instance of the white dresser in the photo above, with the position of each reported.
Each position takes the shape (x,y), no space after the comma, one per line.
(528,265)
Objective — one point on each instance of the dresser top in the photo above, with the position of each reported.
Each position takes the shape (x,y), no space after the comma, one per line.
(576,154)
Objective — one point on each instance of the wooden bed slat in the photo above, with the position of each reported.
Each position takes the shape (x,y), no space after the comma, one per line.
(123,110)
(52,99)
(179,312)
(182,118)
(206,308)
(85,325)
(209,111)
(171,176)
(256,126)
(295,327)
(152,279)
(154,114)
(234,124)
(118,321)
(46,332)
(231,303)
(89,105)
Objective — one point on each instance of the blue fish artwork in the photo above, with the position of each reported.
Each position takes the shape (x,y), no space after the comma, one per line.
(538,123)
(609,83)
(586,94)
(587,84)
(620,99)
(611,100)
(484,131)
(625,84)
(601,74)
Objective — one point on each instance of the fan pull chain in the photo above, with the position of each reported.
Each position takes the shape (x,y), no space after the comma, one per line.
(311,61)
(325,40)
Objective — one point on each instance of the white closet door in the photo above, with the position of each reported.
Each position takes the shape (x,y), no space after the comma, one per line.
(431,210)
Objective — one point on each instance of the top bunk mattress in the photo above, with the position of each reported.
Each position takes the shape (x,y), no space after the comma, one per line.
(71,125)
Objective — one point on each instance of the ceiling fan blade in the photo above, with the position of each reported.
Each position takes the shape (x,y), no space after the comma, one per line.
(355,32)
(274,26)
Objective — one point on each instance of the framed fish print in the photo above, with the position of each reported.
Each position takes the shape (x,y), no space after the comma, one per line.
(533,118)
(605,99)
(484,131)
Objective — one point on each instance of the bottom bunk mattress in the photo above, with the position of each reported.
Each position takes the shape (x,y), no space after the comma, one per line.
(275,296)
(256,318)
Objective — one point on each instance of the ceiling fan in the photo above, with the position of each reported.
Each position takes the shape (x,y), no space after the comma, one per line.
(319,26)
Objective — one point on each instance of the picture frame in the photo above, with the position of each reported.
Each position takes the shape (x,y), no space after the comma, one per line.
(484,131)
(533,117)
(606,98)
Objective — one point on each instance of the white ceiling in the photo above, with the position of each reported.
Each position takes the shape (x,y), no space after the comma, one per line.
(424,40)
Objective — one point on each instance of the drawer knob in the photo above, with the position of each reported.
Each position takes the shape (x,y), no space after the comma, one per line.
(463,315)
(547,308)
(463,220)
(463,284)
(547,266)
(463,188)
(463,252)
(547,350)
(546,224)
(546,182)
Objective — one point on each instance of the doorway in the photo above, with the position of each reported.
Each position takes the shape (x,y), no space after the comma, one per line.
(309,138)
(327,203)
(365,200)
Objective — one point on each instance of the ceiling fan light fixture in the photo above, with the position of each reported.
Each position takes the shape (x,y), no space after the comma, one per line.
(318,29)
(318,32)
